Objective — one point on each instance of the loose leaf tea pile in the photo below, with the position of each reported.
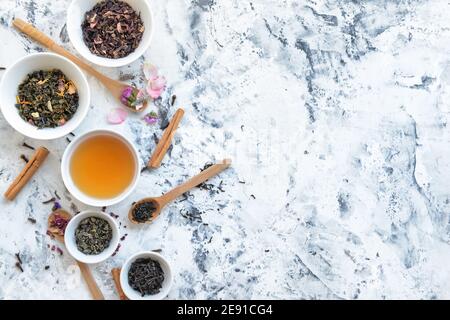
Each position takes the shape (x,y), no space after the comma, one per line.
(112,29)
(146,276)
(93,235)
(144,211)
(47,99)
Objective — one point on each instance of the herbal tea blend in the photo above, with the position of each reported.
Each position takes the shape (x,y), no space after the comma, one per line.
(144,211)
(112,29)
(47,99)
(93,235)
(146,276)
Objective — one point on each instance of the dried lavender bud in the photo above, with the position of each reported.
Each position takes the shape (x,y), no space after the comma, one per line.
(146,276)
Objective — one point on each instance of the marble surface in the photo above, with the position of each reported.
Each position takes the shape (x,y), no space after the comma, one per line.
(335,113)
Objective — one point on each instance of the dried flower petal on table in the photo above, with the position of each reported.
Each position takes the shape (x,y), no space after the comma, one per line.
(156,84)
(117,116)
(150,71)
(151,118)
(126,95)
(156,87)
(57,225)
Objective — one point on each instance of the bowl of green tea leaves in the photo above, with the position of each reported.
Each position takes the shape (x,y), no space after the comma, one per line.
(91,236)
(44,96)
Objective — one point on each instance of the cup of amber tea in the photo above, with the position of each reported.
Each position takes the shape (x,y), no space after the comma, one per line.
(100,167)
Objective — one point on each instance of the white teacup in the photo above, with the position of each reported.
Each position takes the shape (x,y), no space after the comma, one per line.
(80,195)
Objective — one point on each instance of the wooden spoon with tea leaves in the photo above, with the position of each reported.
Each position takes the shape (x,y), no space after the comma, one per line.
(124,92)
(84,268)
(156,204)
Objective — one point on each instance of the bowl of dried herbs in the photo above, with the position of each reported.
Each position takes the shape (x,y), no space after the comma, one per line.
(44,96)
(91,236)
(110,33)
(146,275)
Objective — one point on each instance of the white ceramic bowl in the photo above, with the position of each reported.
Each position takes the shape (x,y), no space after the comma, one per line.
(73,189)
(71,245)
(15,75)
(75,17)
(168,277)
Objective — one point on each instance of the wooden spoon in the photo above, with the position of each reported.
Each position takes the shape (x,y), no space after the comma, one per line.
(114,86)
(84,268)
(161,202)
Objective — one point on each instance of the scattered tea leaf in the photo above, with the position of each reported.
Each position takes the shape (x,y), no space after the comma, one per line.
(32,220)
(74,208)
(19,266)
(126,76)
(27,146)
(24,158)
(49,201)
(18,257)
(173,99)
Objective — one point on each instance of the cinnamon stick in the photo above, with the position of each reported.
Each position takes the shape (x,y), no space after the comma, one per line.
(27,172)
(166,140)
(116,277)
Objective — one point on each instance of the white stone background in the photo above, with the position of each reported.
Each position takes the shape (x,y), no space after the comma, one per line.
(335,115)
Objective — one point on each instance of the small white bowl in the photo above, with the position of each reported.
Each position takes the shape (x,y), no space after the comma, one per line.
(73,189)
(165,266)
(75,17)
(17,73)
(71,245)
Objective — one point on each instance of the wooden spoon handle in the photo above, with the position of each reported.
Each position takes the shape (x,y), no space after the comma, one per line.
(43,39)
(195,181)
(116,277)
(33,33)
(90,281)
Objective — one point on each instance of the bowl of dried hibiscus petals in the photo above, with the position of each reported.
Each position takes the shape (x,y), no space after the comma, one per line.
(110,33)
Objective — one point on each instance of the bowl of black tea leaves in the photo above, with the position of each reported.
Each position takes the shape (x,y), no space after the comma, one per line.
(44,96)
(146,276)
(110,33)
(91,236)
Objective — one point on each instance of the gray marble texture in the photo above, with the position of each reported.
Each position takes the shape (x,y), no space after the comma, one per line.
(335,114)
